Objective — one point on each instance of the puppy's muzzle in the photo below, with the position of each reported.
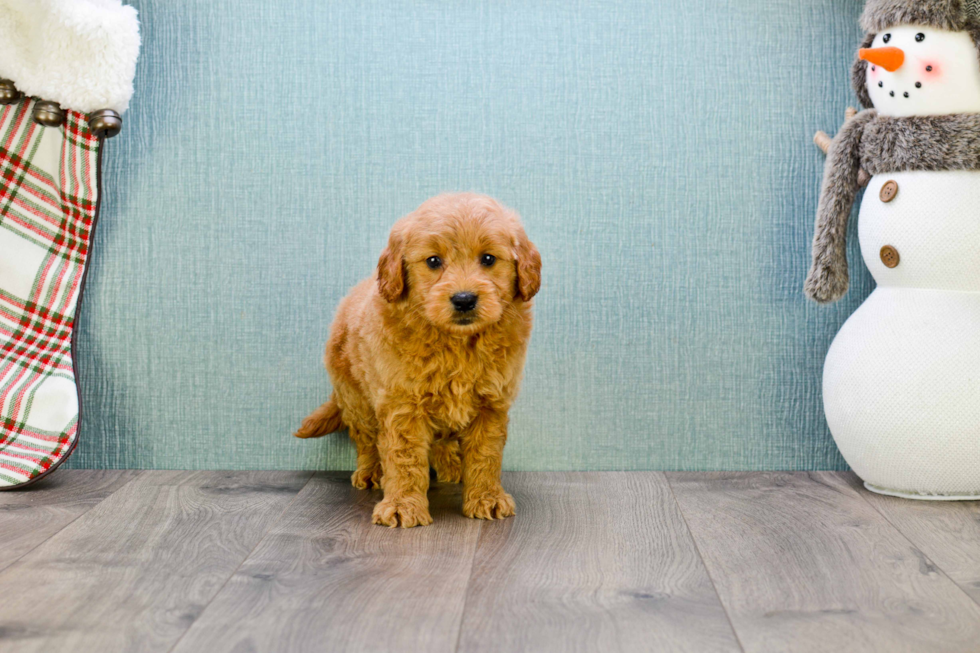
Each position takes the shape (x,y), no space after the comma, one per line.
(464,302)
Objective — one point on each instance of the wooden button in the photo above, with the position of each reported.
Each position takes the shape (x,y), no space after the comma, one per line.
(889,256)
(888,191)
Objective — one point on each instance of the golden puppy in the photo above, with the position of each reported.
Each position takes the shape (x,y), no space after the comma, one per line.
(426,357)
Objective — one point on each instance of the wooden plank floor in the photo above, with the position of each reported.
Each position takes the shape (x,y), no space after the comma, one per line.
(595,562)
(805,558)
(644,561)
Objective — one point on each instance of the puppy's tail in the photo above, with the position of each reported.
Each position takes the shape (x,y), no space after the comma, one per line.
(323,420)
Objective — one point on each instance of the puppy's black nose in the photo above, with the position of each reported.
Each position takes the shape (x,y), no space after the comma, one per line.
(464,301)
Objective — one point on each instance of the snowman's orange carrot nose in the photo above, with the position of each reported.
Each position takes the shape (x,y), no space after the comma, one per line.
(891,59)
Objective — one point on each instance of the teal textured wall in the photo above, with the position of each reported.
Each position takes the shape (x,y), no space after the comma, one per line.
(659,152)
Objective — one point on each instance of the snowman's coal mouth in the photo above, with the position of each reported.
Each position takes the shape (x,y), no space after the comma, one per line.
(905,94)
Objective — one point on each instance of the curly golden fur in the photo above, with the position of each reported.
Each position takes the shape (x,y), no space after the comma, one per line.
(420,380)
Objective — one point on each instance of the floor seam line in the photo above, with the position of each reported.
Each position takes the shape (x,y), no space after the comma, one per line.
(53,535)
(243,561)
(466,590)
(915,546)
(707,571)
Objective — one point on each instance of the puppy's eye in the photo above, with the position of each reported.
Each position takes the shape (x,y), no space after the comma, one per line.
(886,38)
(920,37)
(434,262)
(488,260)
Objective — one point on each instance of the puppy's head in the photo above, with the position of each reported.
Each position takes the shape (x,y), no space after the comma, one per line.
(459,261)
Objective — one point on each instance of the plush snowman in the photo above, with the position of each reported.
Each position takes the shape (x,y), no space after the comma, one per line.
(902,378)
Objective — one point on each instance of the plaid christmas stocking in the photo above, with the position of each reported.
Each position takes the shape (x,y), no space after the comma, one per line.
(49,190)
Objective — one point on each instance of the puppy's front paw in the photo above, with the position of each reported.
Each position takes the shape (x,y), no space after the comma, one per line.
(401,512)
(493,504)
(365,479)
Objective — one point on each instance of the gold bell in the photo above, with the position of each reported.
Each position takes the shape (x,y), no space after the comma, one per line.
(8,92)
(104,123)
(49,114)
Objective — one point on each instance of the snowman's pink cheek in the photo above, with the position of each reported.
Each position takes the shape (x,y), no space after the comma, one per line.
(931,70)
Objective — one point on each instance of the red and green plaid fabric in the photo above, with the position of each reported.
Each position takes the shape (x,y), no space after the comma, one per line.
(48,195)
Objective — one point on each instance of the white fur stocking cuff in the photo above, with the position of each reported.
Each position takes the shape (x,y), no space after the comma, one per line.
(78,53)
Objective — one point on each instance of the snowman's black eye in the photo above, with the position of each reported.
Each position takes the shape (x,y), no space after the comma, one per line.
(886,38)
(920,37)
(434,262)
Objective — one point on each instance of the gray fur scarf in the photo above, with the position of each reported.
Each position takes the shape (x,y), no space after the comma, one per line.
(879,144)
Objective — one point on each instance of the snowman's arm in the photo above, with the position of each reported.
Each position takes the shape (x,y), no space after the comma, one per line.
(828,278)
(822,141)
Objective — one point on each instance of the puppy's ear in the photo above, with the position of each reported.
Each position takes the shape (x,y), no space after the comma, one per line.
(528,268)
(391,270)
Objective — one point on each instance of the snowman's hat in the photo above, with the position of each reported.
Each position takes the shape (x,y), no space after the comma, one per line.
(953,15)
(880,15)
